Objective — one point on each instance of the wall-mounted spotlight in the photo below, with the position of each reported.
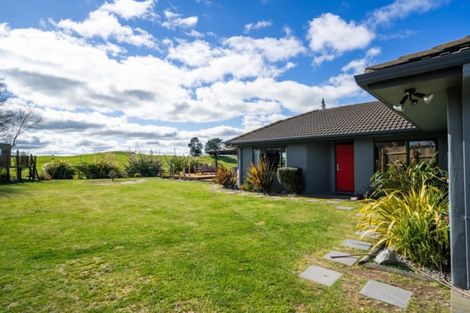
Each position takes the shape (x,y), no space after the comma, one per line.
(413,96)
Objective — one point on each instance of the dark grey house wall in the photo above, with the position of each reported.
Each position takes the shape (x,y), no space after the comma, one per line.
(314,160)
(442,146)
(458,241)
(245,158)
(364,160)
(318,161)
(296,156)
(318,175)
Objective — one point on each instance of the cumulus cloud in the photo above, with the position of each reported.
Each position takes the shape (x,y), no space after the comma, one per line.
(358,66)
(176,20)
(400,9)
(102,24)
(330,36)
(129,9)
(92,101)
(195,54)
(258,25)
(81,88)
(273,49)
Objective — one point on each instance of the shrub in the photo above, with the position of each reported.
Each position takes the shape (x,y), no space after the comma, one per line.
(105,167)
(3,175)
(400,176)
(226,177)
(192,165)
(415,223)
(260,177)
(291,178)
(176,164)
(59,169)
(143,165)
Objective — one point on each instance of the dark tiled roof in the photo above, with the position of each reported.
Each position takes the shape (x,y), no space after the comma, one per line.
(357,119)
(452,47)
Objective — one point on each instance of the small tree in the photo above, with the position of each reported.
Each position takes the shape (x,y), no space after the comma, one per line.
(214,144)
(5,116)
(195,147)
(13,123)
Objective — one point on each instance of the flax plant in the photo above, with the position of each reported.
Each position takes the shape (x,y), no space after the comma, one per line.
(414,223)
(261,176)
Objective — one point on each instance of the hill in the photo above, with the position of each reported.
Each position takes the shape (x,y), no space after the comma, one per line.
(122,158)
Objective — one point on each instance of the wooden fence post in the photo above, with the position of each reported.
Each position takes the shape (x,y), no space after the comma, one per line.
(18,168)
(8,167)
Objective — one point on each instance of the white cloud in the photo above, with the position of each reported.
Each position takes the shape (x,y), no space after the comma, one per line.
(358,66)
(330,36)
(88,98)
(106,26)
(175,20)
(273,49)
(196,53)
(129,9)
(258,25)
(400,9)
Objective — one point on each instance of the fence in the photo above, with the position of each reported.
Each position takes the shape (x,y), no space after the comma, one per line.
(18,163)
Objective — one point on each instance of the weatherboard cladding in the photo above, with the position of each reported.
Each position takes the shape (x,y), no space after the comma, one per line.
(357,119)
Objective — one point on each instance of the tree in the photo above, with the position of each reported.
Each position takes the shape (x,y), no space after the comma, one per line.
(5,116)
(13,123)
(22,121)
(214,144)
(195,147)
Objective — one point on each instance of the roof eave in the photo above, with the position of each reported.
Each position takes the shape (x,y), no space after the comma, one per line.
(326,137)
(412,68)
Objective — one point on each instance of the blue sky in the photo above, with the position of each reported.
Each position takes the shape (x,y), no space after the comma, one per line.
(144,74)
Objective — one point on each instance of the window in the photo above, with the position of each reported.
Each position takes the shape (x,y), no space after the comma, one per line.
(275,156)
(390,152)
(422,150)
(404,151)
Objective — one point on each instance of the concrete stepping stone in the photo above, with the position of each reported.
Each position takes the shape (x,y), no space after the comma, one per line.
(344,208)
(387,293)
(357,244)
(333,201)
(313,200)
(459,303)
(321,275)
(345,258)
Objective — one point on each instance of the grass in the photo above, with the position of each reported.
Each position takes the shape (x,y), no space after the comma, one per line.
(122,159)
(164,246)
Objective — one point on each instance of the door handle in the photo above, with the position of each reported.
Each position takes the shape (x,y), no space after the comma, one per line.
(337,167)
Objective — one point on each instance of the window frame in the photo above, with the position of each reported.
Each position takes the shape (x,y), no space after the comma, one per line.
(407,147)
(281,149)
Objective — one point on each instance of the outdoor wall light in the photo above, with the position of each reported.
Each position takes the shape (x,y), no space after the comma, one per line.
(413,96)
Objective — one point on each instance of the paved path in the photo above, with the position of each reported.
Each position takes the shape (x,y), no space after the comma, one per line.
(372,289)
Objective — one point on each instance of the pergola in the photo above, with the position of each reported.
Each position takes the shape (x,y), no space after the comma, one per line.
(217,153)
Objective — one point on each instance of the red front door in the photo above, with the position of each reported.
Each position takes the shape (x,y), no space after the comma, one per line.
(345,167)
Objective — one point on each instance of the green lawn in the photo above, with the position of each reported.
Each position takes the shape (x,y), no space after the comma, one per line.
(122,159)
(165,246)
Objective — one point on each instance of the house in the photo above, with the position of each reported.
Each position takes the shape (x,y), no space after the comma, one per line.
(423,98)
(339,148)
(443,74)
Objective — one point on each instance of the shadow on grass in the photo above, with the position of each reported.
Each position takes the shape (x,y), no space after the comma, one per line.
(6,188)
